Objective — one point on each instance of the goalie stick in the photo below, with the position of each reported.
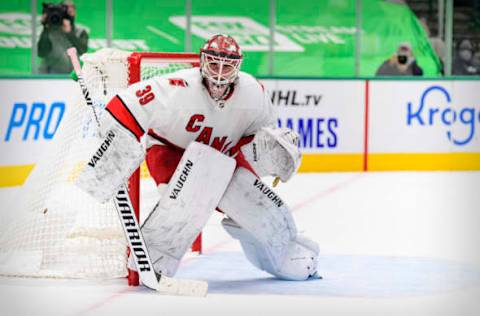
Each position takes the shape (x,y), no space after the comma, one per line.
(131,228)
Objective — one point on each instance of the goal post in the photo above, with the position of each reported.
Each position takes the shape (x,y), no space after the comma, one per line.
(56,230)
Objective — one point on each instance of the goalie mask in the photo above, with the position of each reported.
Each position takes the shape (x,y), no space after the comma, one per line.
(220,60)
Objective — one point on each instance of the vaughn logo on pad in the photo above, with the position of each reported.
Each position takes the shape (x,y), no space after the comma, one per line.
(181,180)
(103,148)
(268,192)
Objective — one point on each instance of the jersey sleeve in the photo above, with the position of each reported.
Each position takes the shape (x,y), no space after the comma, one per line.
(140,105)
(266,115)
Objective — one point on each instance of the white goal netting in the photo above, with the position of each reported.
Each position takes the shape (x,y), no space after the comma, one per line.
(56,230)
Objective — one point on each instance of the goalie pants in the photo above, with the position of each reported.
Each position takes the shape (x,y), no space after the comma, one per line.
(162,160)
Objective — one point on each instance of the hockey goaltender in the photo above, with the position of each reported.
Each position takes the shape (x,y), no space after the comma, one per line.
(209,134)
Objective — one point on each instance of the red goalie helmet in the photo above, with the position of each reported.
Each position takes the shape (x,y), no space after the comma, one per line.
(220,60)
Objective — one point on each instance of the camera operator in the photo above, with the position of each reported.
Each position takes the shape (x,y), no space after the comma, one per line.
(402,63)
(59,33)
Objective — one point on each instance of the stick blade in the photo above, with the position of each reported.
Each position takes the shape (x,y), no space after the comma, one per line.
(182,287)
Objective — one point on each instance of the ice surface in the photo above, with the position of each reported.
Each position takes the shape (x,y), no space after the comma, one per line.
(401,243)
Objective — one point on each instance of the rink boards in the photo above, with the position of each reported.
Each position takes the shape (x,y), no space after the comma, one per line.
(344,125)
(357,125)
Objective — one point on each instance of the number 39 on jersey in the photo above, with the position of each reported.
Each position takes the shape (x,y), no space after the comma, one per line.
(145,95)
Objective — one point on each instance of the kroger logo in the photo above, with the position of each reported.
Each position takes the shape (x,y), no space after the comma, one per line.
(459,122)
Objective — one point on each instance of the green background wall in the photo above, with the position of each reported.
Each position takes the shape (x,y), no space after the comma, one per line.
(312,38)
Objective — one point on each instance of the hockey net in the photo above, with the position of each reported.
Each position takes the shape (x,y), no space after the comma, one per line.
(57,230)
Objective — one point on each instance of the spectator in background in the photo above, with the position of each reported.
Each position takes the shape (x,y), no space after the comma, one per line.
(402,63)
(59,33)
(464,61)
(476,60)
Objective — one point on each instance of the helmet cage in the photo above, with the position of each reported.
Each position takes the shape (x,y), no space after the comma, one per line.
(219,68)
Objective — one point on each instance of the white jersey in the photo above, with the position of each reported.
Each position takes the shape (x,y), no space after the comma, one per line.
(176,109)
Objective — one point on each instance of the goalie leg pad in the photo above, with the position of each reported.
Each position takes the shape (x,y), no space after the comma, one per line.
(300,260)
(249,245)
(193,193)
(256,208)
(264,225)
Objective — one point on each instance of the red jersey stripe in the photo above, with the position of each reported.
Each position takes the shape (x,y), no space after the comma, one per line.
(117,108)
(165,141)
(243,141)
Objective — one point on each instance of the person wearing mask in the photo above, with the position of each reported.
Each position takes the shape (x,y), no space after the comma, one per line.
(402,63)
(464,63)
